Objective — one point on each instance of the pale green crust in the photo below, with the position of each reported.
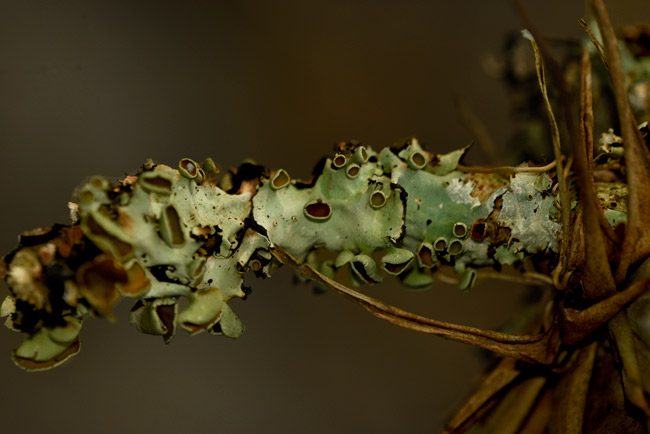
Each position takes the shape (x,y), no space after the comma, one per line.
(167,233)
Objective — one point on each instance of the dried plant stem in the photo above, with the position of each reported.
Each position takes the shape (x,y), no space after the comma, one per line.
(565,201)
(507,169)
(540,348)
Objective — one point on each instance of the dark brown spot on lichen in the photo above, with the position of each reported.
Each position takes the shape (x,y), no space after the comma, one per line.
(98,282)
(426,256)
(171,229)
(499,235)
(255,265)
(377,199)
(280,179)
(496,233)
(456,247)
(67,240)
(396,268)
(353,171)
(188,168)
(339,161)
(155,182)
(485,184)
(167,315)
(460,229)
(158,182)
(122,248)
(479,230)
(418,159)
(318,210)
(137,281)
(440,244)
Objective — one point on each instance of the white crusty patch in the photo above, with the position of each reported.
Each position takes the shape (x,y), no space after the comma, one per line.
(461,192)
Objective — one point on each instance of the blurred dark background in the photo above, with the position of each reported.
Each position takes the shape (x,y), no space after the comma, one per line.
(90,87)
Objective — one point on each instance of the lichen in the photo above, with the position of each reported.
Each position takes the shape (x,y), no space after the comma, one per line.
(170,233)
(526,212)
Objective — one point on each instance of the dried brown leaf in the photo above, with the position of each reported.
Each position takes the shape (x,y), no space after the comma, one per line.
(597,281)
(607,412)
(632,377)
(500,377)
(570,395)
(511,413)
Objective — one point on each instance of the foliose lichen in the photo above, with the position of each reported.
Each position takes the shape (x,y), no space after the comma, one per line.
(169,233)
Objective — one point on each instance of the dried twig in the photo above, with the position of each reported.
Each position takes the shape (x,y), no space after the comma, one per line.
(565,200)
(540,348)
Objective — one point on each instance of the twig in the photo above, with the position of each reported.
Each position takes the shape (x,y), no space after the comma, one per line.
(565,200)
(595,41)
(541,348)
(507,169)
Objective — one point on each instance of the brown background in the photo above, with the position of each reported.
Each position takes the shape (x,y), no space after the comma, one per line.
(97,87)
